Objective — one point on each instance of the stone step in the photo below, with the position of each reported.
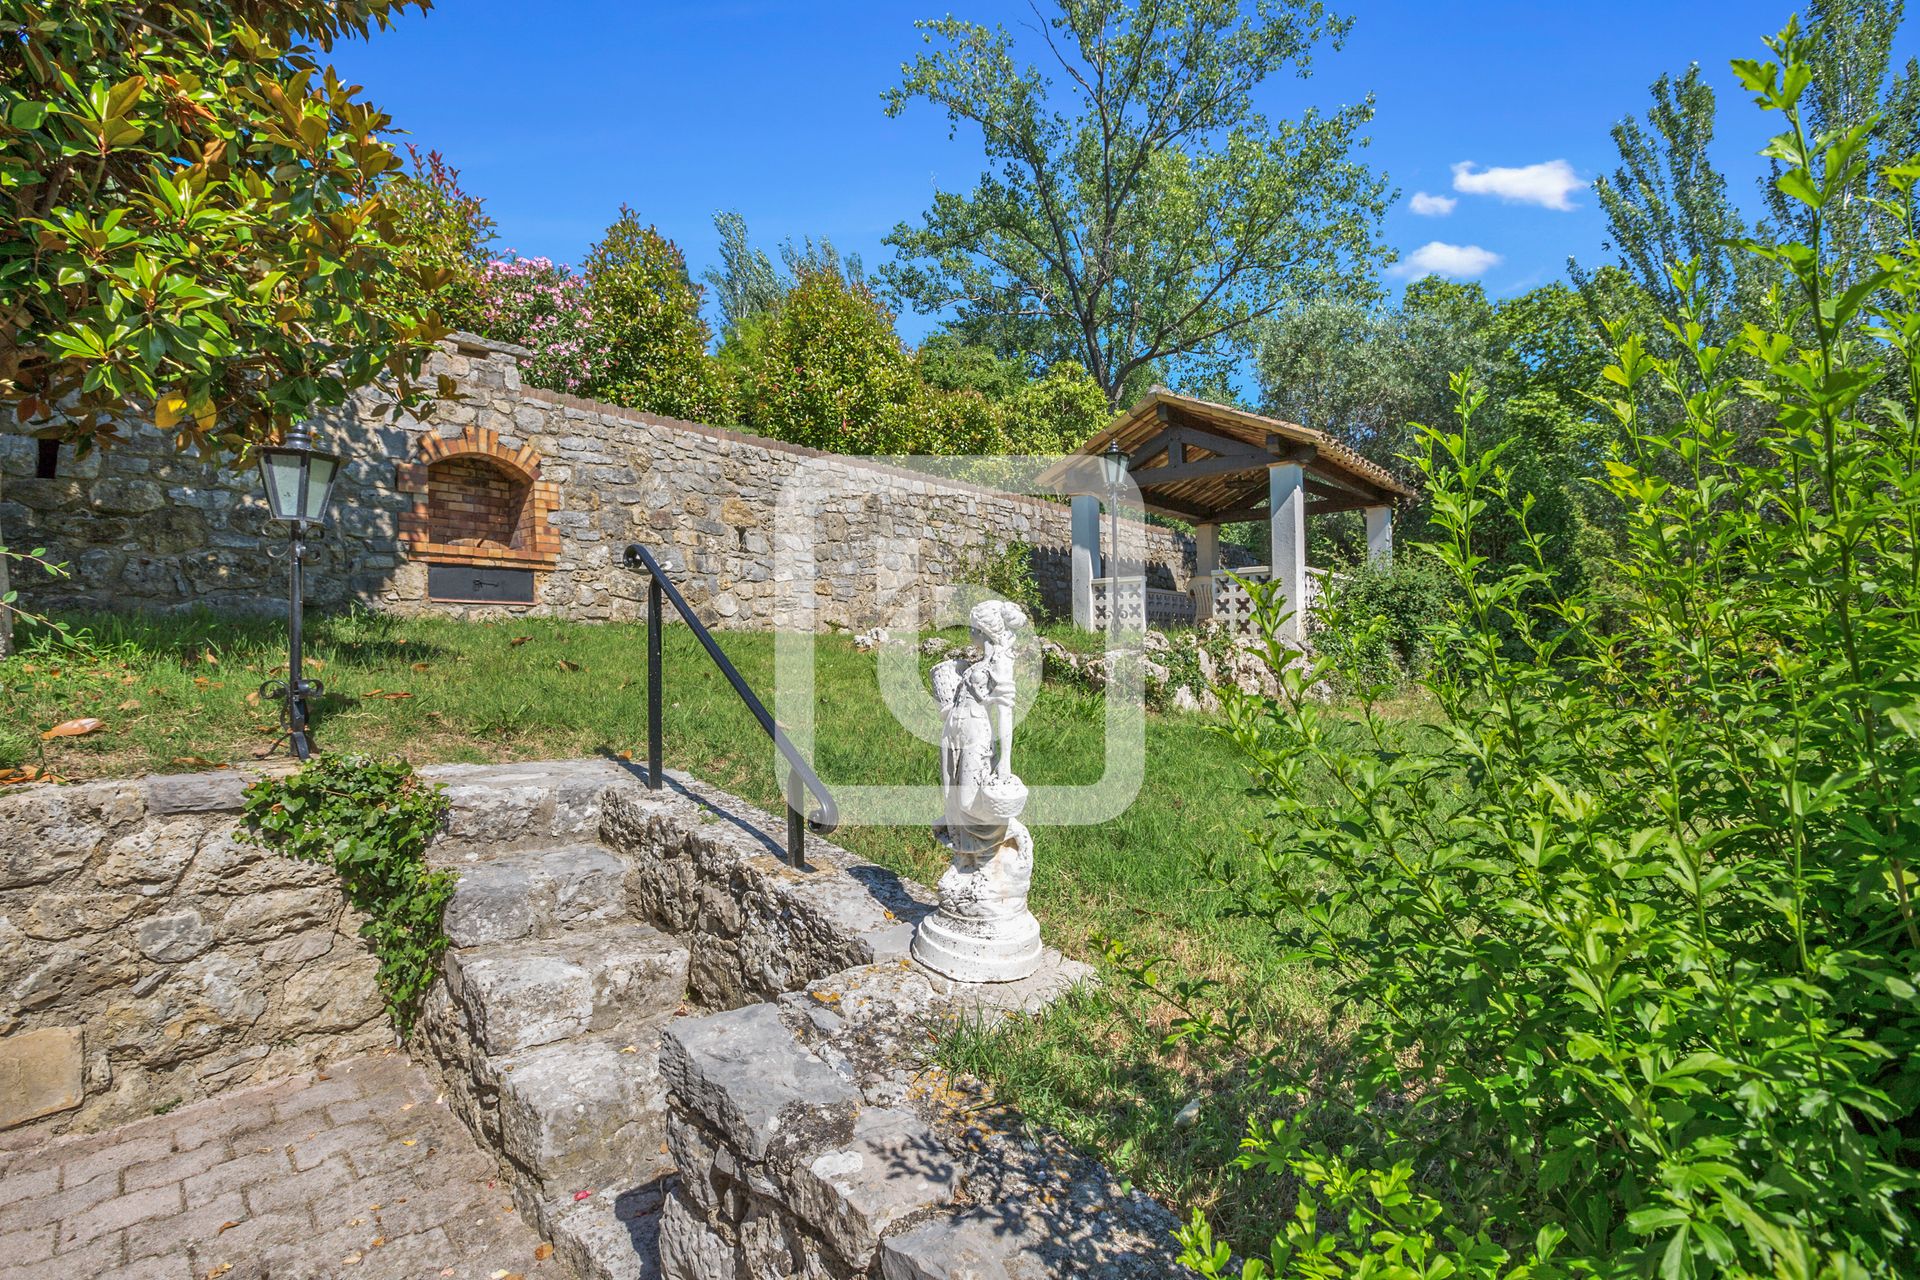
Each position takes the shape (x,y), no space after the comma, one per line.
(535,893)
(520,995)
(588,1114)
(495,807)
(608,1236)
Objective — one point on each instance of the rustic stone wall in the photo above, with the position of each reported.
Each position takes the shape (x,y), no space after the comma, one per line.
(148,958)
(141,526)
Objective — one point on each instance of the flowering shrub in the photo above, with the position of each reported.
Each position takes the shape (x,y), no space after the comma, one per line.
(544,308)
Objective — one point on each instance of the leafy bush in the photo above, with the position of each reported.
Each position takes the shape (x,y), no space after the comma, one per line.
(369,820)
(443,232)
(645,312)
(1627,948)
(1376,619)
(1008,573)
(831,373)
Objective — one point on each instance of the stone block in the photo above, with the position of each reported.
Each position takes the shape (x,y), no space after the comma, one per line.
(893,1167)
(966,1248)
(689,1248)
(527,994)
(744,1073)
(587,1112)
(172,938)
(41,1074)
(218,792)
(508,898)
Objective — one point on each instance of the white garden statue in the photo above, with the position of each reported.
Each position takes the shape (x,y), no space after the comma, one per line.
(982,931)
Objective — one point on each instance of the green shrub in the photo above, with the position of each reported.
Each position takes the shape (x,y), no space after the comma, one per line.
(1008,573)
(1626,950)
(369,820)
(1378,619)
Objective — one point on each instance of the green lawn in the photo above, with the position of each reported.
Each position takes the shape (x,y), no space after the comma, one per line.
(174,695)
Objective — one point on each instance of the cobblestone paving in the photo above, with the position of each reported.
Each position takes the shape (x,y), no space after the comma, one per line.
(355,1173)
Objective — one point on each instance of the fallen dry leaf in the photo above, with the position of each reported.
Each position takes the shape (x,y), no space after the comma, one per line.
(408,1142)
(565,665)
(262,751)
(315,663)
(398,694)
(373,693)
(74,728)
(517,641)
(220,1270)
(253,699)
(131,704)
(423,666)
(542,1253)
(227,1226)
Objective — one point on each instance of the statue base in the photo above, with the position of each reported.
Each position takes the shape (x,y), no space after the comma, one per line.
(970,950)
(982,931)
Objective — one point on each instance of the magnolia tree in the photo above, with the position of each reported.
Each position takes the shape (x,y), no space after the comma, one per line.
(194,226)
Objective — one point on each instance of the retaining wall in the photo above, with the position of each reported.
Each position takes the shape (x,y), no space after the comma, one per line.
(141,525)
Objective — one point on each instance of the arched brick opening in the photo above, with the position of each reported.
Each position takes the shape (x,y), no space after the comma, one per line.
(473,501)
(478,502)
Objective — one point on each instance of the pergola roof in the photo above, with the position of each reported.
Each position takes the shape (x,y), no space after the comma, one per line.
(1214,459)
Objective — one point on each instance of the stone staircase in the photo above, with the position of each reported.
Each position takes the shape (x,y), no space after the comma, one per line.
(547,1023)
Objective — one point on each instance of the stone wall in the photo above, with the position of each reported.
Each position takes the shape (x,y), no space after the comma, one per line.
(148,958)
(140,525)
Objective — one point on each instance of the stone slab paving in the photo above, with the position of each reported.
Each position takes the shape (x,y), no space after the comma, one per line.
(358,1172)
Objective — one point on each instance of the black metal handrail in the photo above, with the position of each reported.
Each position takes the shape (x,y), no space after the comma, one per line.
(800,774)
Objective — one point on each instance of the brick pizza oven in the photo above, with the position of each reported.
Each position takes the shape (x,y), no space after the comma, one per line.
(479,518)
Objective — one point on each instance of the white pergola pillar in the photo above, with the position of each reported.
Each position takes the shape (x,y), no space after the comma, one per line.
(1086,556)
(1206,561)
(1380,536)
(1287,534)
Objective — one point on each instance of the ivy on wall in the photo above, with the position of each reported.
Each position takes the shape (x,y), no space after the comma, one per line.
(370,820)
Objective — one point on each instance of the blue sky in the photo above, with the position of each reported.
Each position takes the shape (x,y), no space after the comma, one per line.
(556,114)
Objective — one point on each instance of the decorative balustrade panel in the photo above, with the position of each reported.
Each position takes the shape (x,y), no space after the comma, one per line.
(1131,603)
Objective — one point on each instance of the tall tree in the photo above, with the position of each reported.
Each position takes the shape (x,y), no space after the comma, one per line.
(1138,210)
(1667,203)
(190,215)
(1854,85)
(191,220)
(746,283)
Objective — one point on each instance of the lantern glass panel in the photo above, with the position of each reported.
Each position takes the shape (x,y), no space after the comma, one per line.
(320,476)
(281,473)
(1114,464)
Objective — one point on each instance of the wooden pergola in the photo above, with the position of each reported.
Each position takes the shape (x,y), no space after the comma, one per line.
(1211,464)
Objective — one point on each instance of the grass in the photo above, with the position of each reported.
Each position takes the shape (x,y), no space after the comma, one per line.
(178,693)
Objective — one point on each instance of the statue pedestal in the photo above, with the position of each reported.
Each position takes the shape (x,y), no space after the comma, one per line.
(982,931)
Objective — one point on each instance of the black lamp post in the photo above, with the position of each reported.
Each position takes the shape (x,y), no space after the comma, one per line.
(299,480)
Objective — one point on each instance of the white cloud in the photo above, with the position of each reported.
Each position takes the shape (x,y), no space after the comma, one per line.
(1454,261)
(1432,206)
(1547,185)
